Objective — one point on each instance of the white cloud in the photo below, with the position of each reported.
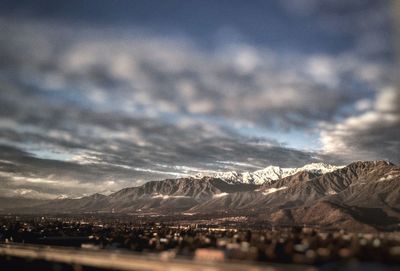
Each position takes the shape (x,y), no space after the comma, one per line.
(26,179)
(363,105)
(373,134)
(151,75)
(26,193)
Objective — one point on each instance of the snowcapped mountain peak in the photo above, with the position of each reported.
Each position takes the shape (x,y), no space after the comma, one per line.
(321,168)
(271,173)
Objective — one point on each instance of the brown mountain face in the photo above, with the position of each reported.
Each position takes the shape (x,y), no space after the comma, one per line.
(323,213)
(299,177)
(361,196)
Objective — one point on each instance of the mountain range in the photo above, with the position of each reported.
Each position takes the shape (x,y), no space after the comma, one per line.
(362,196)
(270,173)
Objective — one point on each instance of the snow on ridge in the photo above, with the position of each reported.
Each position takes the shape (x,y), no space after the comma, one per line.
(220,195)
(156,195)
(273,190)
(270,173)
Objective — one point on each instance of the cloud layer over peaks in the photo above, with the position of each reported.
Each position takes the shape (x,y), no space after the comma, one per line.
(97,104)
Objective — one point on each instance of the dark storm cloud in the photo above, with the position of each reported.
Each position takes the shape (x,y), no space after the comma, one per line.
(114,150)
(372,133)
(124,164)
(118,139)
(305,25)
(83,106)
(153,75)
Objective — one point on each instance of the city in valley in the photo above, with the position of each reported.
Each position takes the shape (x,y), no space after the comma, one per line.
(218,241)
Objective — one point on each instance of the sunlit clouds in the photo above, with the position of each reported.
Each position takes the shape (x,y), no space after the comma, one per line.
(372,133)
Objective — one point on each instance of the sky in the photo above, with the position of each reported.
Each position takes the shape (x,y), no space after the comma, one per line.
(100,95)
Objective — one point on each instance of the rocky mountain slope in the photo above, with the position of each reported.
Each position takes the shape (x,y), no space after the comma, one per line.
(362,196)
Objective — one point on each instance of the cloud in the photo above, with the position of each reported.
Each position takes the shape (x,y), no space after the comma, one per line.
(152,75)
(373,134)
(83,107)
